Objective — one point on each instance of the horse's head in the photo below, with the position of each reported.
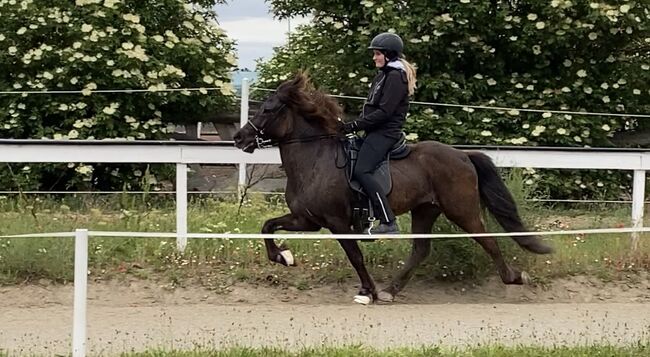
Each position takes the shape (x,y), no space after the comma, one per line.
(277,117)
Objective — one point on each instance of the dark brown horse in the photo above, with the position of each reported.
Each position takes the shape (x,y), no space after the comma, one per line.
(434,179)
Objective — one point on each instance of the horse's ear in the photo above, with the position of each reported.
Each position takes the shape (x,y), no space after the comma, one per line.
(300,80)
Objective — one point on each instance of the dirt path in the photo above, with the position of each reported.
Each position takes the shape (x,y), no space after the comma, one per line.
(138,315)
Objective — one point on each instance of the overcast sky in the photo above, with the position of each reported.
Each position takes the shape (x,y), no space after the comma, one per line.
(251,24)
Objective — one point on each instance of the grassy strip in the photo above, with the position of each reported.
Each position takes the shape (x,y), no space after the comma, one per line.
(215,262)
(640,350)
(496,351)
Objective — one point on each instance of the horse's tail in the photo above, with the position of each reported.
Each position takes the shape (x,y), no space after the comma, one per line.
(501,204)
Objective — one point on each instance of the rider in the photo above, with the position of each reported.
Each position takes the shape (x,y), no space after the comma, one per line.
(382,118)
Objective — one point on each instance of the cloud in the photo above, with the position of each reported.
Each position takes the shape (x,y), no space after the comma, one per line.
(260,30)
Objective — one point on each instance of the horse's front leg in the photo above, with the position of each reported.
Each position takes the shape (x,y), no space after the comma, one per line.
(289,222)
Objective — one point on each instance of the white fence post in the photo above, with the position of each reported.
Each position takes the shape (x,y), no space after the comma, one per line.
(80,291)
(181,206)
(243,119)
(638,193)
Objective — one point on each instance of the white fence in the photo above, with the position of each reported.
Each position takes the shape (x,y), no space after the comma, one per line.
(184,153)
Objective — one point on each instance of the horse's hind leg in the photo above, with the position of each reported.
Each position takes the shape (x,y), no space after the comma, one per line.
(472,224)
(287,222)
(422,219)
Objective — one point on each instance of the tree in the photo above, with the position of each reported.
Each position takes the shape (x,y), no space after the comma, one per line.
(107,44)
(570,55)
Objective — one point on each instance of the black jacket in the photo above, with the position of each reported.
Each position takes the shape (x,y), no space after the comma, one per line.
(387,103)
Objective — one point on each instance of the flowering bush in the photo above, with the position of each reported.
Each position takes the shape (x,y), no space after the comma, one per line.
(575,55)
(86,45)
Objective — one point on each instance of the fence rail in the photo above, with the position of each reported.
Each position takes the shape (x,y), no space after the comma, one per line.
(183,153)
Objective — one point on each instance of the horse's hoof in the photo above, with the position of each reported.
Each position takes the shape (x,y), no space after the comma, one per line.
(362,299)
(525,278)
(286,258)
(385,296)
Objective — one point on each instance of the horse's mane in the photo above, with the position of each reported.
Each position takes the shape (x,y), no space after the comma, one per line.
(313,104)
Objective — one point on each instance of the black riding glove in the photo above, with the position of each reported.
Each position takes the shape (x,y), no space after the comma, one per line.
(350,127)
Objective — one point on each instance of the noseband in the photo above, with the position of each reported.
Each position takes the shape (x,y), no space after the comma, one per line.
(261,141)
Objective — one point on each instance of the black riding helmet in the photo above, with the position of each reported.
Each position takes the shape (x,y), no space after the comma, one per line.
(389,44)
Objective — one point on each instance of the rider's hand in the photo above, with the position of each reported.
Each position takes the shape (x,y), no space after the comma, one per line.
(350,127)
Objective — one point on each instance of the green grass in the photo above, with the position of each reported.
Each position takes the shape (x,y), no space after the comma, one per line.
(639,350)
(213,262)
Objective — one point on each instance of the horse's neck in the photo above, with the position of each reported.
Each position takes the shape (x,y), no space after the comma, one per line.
(309,159)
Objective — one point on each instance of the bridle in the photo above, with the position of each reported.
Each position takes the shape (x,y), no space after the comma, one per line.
(262,142)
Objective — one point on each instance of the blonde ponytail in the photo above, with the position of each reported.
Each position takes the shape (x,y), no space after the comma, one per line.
(411,75)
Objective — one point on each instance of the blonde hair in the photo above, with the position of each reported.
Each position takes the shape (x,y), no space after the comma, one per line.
(411,75)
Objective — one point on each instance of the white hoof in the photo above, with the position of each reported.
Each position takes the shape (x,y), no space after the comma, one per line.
(288,257)
(385,296)
(525,278)
(362,299)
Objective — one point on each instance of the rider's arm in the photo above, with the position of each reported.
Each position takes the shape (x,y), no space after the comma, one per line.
(392,94)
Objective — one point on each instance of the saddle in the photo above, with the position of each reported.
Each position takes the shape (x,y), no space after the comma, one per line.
(363,214)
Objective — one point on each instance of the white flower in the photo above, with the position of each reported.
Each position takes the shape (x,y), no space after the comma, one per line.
(547,115)
(526,126)
(127,45)
(540,25)
(604,86)
(86,28)
(582,73)
(352,75)
(158,38)
(412,137)
(593,36)
(561,131)
(606,99)
(363,79)
(491,82)
(577,139)
(63,107)
(73,134)
(134,18)
(567,63)
(380,10)
(588,90)
(637,91)
(465,1)
(486,133)
(532,17)
(21,30)
(606,127)
(208,79)
(13,50)
(84,169)
(2,37)
(538,130)
(624,8)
